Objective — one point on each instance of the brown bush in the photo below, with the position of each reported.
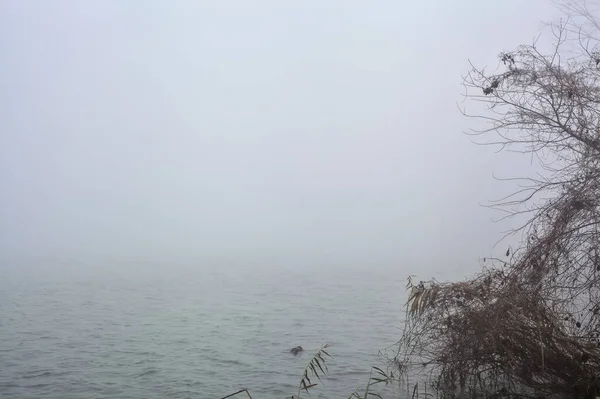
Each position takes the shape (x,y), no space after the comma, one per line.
(530,325)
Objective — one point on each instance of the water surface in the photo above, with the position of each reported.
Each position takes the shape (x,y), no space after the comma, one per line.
(196,332)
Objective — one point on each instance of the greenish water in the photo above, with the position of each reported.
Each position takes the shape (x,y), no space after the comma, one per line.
(191,332)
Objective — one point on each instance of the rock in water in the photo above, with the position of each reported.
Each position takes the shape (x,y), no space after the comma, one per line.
(296,350)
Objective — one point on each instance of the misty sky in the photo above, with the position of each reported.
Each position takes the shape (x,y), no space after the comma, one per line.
(306,132)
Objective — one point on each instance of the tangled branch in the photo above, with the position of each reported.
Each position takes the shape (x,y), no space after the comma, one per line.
(529,326)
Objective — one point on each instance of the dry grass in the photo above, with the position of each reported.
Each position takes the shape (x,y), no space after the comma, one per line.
(316,368)
(376,376)
(237,393)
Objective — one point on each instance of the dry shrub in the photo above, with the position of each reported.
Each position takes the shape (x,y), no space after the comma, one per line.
(528,326)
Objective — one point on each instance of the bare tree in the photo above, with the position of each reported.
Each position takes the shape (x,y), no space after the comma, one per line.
(529,325)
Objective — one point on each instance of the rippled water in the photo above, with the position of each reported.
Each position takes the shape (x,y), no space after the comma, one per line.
(198,333)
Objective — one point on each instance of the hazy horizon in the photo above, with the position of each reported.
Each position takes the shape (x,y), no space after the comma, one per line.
(192,188)
(264,134)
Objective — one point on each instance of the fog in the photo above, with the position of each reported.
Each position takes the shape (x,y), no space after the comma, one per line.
(276,133)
